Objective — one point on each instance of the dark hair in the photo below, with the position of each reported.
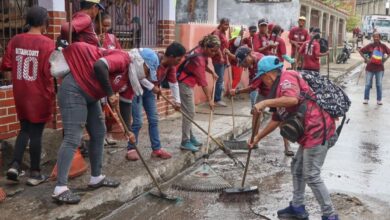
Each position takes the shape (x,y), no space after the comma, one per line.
(315,36)
(104,16)
(210,41)
(252,28)
(86,5)
(175,49)
(36,16)
(223,21)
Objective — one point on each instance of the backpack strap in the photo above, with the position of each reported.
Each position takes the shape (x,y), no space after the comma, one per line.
(182,66)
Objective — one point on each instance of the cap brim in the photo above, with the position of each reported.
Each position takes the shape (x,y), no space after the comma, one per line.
(101,7)
(264,23)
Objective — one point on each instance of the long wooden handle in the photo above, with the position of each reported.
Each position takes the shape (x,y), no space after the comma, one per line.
(255,128)
(231,97)
(210,122)
(139,153)
(70,21)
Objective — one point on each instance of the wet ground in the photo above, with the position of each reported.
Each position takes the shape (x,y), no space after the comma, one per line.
(355,171)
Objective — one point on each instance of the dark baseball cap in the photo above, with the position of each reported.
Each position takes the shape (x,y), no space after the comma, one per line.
(241,53)
(262,21)
(97,2)
(252,28)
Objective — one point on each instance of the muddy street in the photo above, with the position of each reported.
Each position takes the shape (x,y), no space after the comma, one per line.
(355,172)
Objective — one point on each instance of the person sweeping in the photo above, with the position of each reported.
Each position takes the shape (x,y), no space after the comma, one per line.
(192,72)
(300,119)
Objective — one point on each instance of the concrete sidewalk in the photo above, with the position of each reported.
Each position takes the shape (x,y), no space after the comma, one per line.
(338,70)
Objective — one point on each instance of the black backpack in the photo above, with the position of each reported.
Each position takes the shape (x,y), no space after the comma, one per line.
(324,46)
(329,96)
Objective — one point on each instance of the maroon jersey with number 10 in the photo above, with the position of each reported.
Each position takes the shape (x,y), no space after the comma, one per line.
(27,55)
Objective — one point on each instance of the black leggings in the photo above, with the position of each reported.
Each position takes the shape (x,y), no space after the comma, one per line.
(33,132)
(125,109)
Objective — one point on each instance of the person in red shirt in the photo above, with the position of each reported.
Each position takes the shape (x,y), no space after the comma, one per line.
(298,35)
(82,23)
(248,41)
(78,97)
(192,72)
(107,39)
(260,40)
(374,55)
(219,61)
(318,135)
(278,46)
(310,51)
(27,56)
(249,59)
(235,42)
(147,100)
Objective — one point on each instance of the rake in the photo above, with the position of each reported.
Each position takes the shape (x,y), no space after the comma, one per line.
(203,179)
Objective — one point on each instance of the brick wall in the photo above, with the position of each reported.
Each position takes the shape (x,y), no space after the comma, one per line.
(166,32)
(8,121)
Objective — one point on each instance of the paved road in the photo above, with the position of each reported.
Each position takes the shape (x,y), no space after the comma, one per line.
(355,171)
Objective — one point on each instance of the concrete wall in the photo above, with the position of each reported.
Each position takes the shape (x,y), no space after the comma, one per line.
(370,7)
(285,14)
(182,11)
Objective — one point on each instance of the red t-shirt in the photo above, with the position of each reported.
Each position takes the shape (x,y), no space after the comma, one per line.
(166,72)
(27,55)
(81,57)
(111,42)
(232,49)
(260,41)
(298,34)
(197,67)
(291,85)
(253,69)
(311,56)
(372,67)
(224,44)
(280,49)
(118,67)
(83,29)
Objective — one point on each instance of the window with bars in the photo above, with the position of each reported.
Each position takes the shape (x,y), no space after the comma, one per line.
(11,23)
(134,22)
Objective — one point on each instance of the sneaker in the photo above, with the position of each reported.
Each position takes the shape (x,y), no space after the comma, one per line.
(195,142)
(161,154)
(332,217)
(189,146)
(293,212)
(365,101)
(379,103)
(13,174)
(220,104)
(36,180)
(132,155)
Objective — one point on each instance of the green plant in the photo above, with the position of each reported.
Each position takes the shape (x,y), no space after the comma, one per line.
(352,22)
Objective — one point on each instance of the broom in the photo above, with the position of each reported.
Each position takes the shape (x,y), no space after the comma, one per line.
(203,179)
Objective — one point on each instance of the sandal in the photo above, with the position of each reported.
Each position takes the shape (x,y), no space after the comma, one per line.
(105,182)
(289,153)
(66,197)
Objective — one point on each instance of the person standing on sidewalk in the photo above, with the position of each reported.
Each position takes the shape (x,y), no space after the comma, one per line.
(248,41)
(311,53)
(298,36)
(219,60)
(82,23)
(145,97)
(248,59)
(235,42)
(374,55)
(27,56)
(261,38)
(316,138)
(192,72)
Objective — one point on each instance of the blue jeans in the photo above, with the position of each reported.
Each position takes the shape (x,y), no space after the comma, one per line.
(79,111)
(148,101)
(253,95)
(219,69)
(378,83)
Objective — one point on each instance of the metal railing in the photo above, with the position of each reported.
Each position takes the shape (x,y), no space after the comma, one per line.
(11,23)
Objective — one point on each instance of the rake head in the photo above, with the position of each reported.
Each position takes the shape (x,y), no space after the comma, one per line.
(236,144)
(203,179)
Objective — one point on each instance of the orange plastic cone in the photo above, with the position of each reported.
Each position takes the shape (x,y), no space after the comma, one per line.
(78,167)
(3,195)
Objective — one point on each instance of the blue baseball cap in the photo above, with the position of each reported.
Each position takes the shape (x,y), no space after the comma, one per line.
(267,64)
(151,60)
